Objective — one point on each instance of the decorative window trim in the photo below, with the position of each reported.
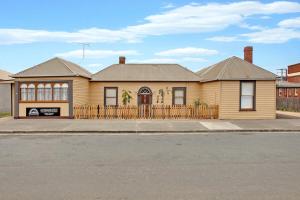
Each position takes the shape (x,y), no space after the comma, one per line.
(117,100)
(253,98)
(184,95)
(45,83)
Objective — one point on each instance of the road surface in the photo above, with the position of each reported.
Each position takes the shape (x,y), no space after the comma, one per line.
(225,166)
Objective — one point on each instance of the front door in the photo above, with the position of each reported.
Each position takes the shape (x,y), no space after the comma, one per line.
(144,102)
(145,99)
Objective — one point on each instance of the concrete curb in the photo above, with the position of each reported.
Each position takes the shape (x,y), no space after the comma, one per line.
(147,132)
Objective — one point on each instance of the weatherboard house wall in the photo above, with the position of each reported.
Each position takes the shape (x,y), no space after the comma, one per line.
(219,84)
(6,85)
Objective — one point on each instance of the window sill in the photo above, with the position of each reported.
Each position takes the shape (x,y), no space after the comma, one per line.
(247,110)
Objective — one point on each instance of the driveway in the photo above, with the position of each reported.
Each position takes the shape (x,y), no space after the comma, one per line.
(168,167)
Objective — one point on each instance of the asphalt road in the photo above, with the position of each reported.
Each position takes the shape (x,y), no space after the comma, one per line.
(168,167)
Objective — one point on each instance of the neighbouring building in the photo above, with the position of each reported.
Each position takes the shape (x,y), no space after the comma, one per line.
(241,89)
(293,73)
(6,89)
(290,86)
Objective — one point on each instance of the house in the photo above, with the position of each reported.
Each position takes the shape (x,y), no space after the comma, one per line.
(241,89)
(289,86)
(6,87)
(293,73)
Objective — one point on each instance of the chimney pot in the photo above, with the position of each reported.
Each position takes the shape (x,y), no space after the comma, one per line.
(248,54)
(122,60)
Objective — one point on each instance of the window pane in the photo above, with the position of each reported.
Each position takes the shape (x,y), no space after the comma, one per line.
(24,94)
(31,94)
(247,88)
(64,93)
(56,94)
(178,101)
(179,93)
(111,92)
(247,102)
(48,92)
(111,101)
(40,94)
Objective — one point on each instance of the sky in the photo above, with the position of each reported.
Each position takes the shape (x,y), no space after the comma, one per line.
(195,34)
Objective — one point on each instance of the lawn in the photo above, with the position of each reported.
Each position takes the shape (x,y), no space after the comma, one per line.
(4,114)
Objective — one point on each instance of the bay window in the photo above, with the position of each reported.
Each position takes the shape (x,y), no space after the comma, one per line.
(44,92)
(247,95)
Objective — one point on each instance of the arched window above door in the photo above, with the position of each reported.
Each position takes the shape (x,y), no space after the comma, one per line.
(145,90)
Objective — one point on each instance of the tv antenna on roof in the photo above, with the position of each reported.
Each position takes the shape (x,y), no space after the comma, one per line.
(84,44)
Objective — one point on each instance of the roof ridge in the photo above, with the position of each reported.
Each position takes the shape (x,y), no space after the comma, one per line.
(103,69)
(227,62)
(75,64)
(63,62)
(187,69)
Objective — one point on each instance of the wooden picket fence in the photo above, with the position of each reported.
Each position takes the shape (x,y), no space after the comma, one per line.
(146,112)
(288,104)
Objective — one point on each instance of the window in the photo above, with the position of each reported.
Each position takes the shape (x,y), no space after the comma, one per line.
(56,91)
(280,91)
(31,92)
(48,92)
(110,96)
(247,99)
(40,92)
(64,92)
(24,92)
(290,92)
(179,96)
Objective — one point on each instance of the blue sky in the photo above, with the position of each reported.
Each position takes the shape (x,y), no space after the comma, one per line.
(195,34)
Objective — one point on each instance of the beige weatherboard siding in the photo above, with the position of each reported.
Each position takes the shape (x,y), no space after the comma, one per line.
(97,91)
(210,93)
(265,101)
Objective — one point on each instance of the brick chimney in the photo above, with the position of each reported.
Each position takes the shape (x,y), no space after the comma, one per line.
(248,54)
(122,60)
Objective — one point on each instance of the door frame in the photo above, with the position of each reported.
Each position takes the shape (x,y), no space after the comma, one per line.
(140,92)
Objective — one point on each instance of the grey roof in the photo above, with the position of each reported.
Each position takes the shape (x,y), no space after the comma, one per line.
(145,72)
(234,68)
(54,67)
(287,84)
(5,76)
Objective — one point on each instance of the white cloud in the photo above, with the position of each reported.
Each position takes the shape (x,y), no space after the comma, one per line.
(223,39)
(290,23)
(168,6)
(97,53)
(251,27)
(272,36)
(188,51)
(191,18)
(265,17)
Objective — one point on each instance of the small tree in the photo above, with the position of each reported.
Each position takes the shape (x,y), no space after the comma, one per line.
(126,97)
(162,94)
(197,102)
